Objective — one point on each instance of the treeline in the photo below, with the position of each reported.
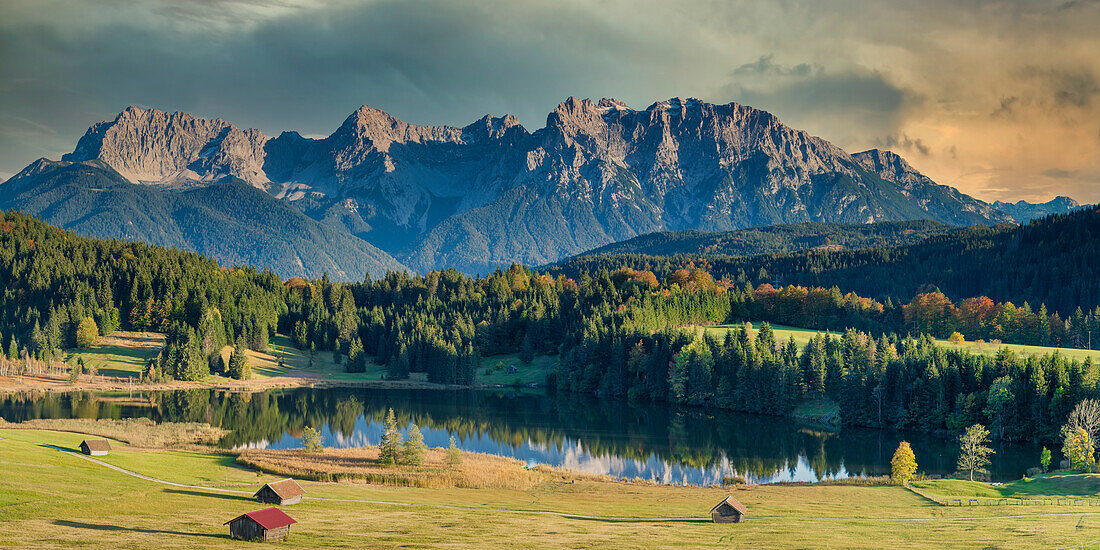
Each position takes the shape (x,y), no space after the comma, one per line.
(1053,261)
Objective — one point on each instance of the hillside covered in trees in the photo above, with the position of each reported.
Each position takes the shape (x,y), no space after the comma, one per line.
(776,239)
(616,333)
(1053,261)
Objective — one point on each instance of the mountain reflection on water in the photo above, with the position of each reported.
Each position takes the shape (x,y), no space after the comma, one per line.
(599,436)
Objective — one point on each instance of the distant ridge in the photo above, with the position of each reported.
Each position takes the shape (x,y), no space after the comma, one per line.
(776,239)
(1023,211)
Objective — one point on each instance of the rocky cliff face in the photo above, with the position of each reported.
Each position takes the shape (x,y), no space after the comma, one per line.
(492,193)
(177,149)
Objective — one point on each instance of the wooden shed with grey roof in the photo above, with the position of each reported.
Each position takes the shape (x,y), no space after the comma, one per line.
(282,492)
(728,511)
(269,524)
(95,447)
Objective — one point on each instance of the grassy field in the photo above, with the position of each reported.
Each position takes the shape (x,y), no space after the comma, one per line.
(803,335)
(494,370)
(124,354)
(120,354)
(54,499)
(1045,485)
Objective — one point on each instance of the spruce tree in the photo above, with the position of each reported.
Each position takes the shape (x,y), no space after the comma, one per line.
(413,453)
(239,367)
(389,450)
(454,455)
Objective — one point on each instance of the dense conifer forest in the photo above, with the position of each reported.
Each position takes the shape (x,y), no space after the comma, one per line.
(615,332)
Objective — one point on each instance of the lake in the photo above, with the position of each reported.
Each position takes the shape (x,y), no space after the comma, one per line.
(657,442)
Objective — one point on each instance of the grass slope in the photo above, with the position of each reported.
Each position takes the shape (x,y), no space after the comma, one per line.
(124,354)
(803,335)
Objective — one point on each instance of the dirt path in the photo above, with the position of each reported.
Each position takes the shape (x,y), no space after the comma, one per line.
(564,514)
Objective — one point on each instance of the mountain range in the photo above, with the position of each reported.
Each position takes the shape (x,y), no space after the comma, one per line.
(1023,211)
(379,193)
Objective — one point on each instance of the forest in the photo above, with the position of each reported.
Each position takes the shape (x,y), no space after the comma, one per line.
(616,332)
(1053,261)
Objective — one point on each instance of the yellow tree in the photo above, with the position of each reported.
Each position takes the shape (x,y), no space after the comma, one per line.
(904,464)
(1077,448)
(87,333)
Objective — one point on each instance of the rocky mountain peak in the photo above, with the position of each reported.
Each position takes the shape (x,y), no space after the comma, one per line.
(154,146)
(880,160)
(489,127)
(378,129)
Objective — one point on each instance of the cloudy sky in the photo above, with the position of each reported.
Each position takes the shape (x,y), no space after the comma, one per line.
(998,98)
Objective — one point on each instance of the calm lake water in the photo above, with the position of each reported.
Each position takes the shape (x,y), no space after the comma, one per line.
(666,444)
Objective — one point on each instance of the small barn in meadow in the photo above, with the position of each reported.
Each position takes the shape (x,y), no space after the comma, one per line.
(269,524)
(95,447)
(728,511)
(282,492)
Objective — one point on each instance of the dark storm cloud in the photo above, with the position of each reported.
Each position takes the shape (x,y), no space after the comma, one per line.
(905,144)
(765,66)
(295,66)
(849,105)
(851,71)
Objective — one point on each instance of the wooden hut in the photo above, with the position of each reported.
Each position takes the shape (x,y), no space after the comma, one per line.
(728,511)
(269,524)
(280,492)
(95,447)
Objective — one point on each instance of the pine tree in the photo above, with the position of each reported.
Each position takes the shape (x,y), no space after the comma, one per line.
(413,453)
(389,450)
(357,358)
(239,367)
(454,455)
(527,350)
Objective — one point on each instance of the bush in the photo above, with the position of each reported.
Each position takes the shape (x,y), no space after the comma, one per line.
(1032,472)
(735,479)
(311,440)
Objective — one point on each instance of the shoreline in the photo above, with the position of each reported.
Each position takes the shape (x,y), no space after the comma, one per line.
(20,384)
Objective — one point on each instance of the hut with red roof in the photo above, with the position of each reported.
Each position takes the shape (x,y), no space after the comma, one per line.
(269,524)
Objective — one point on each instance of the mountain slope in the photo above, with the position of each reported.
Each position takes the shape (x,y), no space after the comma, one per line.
(231,222)
(492,193)
(776,239)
